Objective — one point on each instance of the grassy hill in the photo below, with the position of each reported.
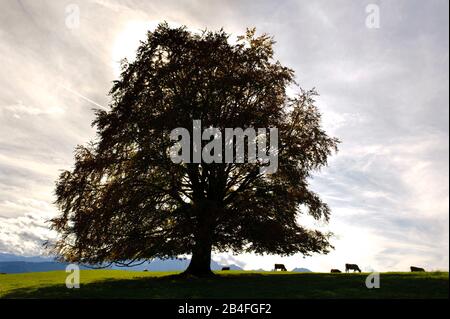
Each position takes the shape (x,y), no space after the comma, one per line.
(232,284)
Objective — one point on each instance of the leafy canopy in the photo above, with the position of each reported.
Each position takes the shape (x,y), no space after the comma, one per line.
(125,200)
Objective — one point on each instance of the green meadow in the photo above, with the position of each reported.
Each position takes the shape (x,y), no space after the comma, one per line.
(232,284)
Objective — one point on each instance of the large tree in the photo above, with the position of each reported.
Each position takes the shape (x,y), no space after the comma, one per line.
(125,199)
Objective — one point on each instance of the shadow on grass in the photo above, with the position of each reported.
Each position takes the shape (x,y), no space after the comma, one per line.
(250,286)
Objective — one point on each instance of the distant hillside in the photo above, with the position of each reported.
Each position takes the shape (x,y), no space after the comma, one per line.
(301,270)
(12,264)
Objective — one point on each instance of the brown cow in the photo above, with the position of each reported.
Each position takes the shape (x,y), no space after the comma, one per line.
(335,271)
(417,269)
(353,267)
(280,266)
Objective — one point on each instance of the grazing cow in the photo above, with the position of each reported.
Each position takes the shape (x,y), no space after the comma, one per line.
(417,269)
(225,268)
(145,270)
(353,267)
(336,271)
(280,266)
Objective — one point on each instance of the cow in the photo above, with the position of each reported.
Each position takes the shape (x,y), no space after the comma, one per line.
(225,268)
(335,271)
(353,267)
(417,269)
(280,266)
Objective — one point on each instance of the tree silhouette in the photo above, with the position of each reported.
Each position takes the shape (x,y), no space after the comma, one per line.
(125,200)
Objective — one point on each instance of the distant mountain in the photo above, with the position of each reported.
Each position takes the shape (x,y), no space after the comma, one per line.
(177,265)
(301,270)
(159,265)
(15,267)
(216,266)
(10,264)
(11,257)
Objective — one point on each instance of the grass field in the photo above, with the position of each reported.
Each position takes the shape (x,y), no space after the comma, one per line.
(232,284)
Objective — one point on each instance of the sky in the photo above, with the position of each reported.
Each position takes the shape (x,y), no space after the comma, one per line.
(383,79)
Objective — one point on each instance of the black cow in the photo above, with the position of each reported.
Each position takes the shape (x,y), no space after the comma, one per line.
(336,271)
(280,266)
(417,269)
(353,267)
(225,268)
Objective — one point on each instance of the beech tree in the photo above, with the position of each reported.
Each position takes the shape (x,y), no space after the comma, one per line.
(125,200)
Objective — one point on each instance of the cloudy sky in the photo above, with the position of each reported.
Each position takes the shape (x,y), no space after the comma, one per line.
(384,93)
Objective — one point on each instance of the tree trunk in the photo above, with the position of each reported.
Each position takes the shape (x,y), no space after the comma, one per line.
(200,265)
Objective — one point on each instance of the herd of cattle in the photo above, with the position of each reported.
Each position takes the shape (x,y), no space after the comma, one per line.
(348,267)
